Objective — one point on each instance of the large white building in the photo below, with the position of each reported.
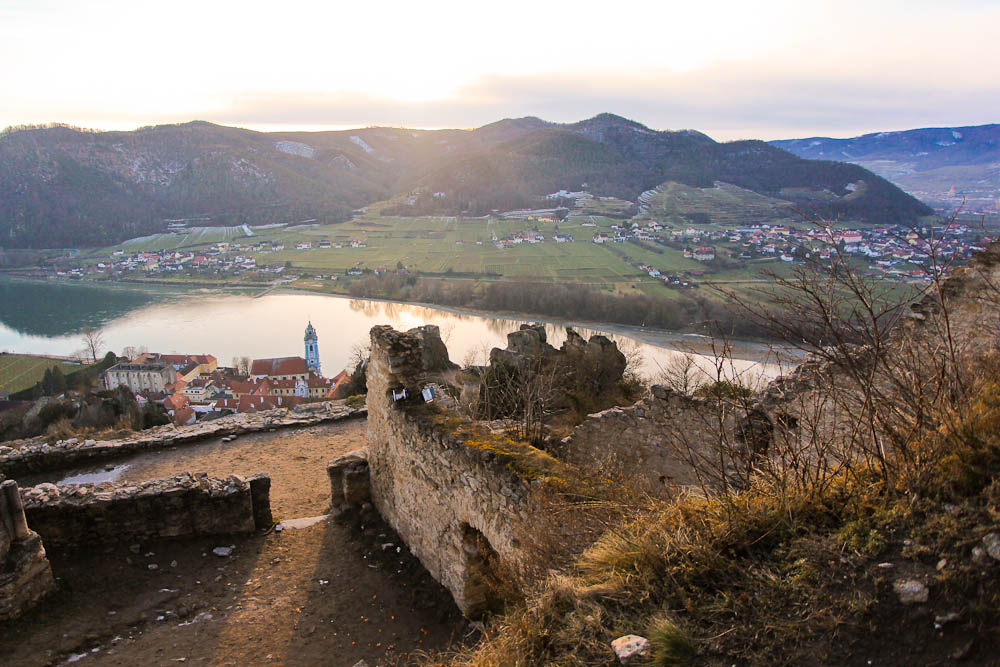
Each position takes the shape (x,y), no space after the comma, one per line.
(140,377)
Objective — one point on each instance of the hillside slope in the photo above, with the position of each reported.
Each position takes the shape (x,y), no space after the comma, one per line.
(61,186)
(616,157)
(940,165)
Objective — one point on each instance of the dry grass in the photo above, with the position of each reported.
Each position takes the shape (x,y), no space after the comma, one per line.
(766,574)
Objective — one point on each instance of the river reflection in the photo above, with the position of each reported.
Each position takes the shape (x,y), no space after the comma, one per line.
(231,325)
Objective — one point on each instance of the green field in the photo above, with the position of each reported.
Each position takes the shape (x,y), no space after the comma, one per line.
(461,248)
(18,371)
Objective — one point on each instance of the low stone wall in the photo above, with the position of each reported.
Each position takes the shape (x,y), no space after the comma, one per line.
(33,455)
(183,505)
(653,441)
(25,575)
(460,509)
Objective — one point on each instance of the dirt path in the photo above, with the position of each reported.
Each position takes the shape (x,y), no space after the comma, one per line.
(294,458)
(323,595)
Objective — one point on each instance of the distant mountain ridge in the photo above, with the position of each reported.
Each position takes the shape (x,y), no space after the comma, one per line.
(939,165)
(61,186)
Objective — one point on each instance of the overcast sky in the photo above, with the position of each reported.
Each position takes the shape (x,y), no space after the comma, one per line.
(732,69)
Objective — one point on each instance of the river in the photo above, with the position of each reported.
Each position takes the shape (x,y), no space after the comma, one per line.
(47,317)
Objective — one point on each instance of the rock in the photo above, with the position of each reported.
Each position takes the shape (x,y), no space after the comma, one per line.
(222,552)
(153,566)
(911,591)
(944,619)
(979,554)
(360,663)
(630,648)
(962,652)
(992,544)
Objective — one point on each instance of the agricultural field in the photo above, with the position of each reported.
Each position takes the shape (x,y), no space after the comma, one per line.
(446,246)
(722,205)
(189,238)
(20,371)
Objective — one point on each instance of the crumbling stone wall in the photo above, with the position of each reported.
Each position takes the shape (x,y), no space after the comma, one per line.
(183,505)
(652,441)
(449,501)
(816,413)
(25,575)
(33,455)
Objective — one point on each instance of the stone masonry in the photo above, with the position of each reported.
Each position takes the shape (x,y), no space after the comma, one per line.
(25,575)
(34,455)
(457,507)
(183,505)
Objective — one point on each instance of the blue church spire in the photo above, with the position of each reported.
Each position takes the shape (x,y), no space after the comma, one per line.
(312,349)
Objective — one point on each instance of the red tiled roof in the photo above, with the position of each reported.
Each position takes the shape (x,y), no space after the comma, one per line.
(279,366)
(175,402)
(253,388)
(179,359)
(256,403)
(184,415)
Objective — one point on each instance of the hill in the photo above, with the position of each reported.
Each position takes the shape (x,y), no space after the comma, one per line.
(940,165)
(61,186)
(612,156)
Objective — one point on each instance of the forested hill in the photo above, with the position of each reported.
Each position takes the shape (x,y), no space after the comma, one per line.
(943,166)
(61,186)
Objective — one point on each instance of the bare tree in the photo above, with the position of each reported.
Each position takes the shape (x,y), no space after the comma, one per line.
(523,395)
(133,352)
(241,365)
(681,374)
(93,342)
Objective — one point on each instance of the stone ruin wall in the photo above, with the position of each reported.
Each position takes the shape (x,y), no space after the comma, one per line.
(453,504)
(25,575)
(34,455)
(435,491)
(814,403)
(645,441)
(184,505)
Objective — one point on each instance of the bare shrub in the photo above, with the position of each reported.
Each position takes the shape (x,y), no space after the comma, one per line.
(60,429)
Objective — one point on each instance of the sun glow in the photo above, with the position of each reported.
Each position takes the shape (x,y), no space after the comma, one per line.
(117,63)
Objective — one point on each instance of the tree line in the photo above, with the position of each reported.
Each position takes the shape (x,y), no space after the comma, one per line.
(567,301)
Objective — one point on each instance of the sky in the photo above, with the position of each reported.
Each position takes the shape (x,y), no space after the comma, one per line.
(730,68)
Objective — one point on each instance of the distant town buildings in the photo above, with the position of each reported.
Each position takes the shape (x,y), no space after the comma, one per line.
(140,377)
(189,386)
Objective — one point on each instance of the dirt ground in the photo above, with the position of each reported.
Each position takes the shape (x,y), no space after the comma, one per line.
(294,458)
(329,594)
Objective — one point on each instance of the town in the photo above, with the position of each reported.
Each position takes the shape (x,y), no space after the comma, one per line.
(668,250)
(190,387)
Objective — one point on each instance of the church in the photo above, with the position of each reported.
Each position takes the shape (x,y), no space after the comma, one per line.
(312,349)
(295,376)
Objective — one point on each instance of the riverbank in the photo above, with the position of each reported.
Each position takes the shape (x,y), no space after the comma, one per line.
(741,349)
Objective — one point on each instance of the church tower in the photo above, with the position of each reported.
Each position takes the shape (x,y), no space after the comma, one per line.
(312,350)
